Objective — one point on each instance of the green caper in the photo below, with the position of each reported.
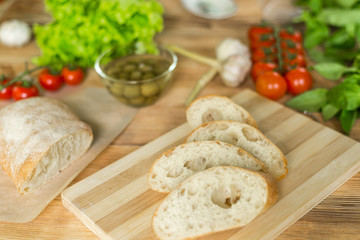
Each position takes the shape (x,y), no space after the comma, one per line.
(136,75)
(148,75)
(132,91)
(137,101)
(149,89)
(113,72)
(145,68)
(122,76)
(117,89)
(119,64)
(129,67)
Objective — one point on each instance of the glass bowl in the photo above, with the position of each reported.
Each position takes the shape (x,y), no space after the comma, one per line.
(136,80)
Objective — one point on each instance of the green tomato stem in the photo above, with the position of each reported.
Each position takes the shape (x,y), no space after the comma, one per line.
(279,50)
(20,77)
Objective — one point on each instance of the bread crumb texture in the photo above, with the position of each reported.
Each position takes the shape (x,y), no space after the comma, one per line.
(175,165)
(246,137)
(213,200)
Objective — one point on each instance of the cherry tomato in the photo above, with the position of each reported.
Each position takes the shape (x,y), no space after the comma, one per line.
(22,92)
(294,36)
(260,33)
(72,76)
(50,81)
(260,68)
(292,47)
(6,93)
(271,85)
(297,61)
(262,44)
(298,80)
(264,55)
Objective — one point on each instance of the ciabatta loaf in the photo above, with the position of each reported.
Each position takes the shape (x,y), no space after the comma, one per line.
(180,162)
(38,138)
(216,108)
(213,200)
(246,137)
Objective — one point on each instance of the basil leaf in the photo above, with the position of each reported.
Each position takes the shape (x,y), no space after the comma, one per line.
(345,96)
(331,70)
(346,3)
(347,120)
(340,55)
(329,111)
(353,78)
(339,17)
(340,39)
(310,101)
(315,5)
(315,35)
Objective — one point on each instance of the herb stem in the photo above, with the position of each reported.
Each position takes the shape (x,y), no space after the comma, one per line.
(209,61)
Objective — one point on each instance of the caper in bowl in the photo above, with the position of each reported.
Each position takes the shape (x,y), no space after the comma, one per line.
(137,79)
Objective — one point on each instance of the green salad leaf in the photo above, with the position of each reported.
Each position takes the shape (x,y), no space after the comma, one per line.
(81,30)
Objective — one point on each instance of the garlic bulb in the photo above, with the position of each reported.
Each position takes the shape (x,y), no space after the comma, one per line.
(229,47)
(234,70)
(15,33)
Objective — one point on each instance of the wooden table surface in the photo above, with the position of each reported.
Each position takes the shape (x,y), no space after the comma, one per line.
(337,217)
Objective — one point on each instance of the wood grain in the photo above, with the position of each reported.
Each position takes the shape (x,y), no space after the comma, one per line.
(331,219)
(120,205)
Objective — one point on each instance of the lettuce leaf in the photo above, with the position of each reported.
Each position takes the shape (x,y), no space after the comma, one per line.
(82,29)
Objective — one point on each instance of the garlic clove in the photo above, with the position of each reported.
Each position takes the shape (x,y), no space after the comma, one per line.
(229,47)
(234,70)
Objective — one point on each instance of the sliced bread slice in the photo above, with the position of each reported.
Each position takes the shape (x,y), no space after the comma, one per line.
(246,137)
(180,162)
(216,108)
(214,200)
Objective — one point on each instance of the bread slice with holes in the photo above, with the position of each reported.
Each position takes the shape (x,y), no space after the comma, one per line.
(216,108)
(217,199)
(180,162)
(246,137)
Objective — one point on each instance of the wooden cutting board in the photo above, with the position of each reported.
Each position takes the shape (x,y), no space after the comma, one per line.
(116,202)
(107,118)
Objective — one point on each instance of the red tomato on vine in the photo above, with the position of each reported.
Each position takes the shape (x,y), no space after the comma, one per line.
(260,33)
(72,76)
(6,93)
(292,35)
(298,80)
(20,91)
(261,67)
(50,81)
(271,85)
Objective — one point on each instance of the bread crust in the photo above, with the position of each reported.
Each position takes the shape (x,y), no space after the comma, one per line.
(248,119)
(28,128)
(169,152)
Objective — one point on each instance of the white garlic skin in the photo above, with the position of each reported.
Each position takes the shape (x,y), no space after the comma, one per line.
(229,47)
(15,33)
(235,69)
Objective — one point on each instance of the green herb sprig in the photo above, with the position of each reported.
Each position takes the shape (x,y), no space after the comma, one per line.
(342,100)
(332,40)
